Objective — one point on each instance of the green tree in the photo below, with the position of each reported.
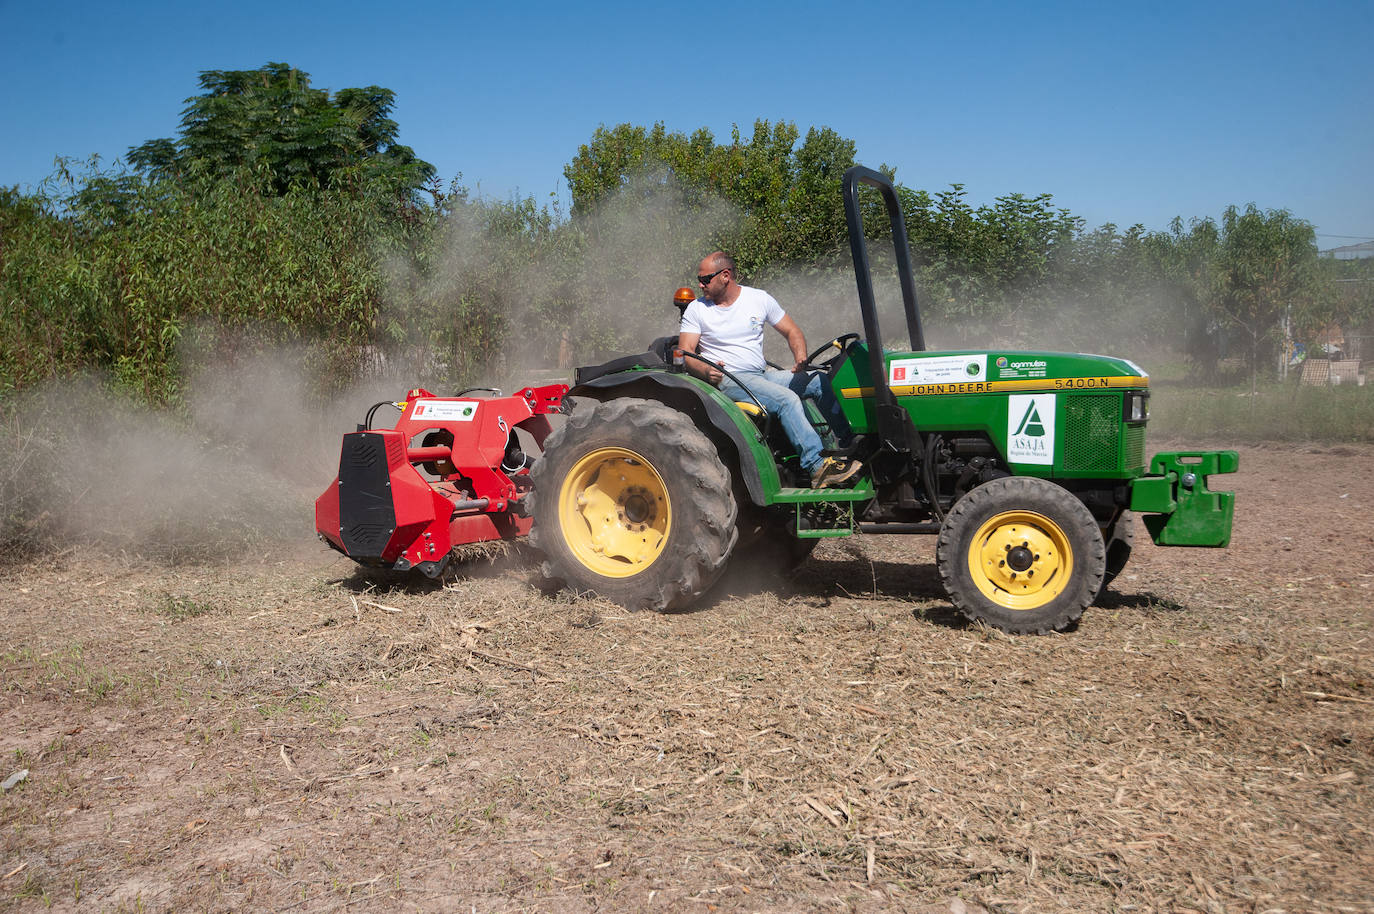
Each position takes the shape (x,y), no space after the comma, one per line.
(991,263)
(1348,299)
(126,282)
(784,197)
(814,213)
(271,117)
(1183,266)
(1266,267)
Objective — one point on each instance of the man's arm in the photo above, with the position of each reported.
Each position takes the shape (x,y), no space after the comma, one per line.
(796,340)
(687,342)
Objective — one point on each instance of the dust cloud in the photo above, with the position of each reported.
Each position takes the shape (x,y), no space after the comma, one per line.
(603,287)
(826,305)
(236,469)
(645,244)
(235,474)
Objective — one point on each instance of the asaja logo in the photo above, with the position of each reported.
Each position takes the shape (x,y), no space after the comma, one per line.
(468,411)
(1031,424)
(1030,428)
(973,369)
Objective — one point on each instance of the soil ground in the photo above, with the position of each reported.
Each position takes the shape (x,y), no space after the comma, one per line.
(286,733)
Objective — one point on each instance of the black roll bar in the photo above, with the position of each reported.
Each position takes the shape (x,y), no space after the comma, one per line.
(895,431)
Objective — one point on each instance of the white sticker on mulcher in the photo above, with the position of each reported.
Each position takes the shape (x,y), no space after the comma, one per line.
(1030,428)
(445,410)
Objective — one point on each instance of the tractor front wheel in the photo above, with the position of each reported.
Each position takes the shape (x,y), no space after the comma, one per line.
(632,501)
(1021,554)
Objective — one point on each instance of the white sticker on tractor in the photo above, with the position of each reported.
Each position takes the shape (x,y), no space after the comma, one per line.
(1030,428)
(445,410)
(937,369)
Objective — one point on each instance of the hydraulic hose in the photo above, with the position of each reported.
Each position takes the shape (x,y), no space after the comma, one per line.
(367,423)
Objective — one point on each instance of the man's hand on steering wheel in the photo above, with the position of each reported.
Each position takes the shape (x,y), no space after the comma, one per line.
(835,347)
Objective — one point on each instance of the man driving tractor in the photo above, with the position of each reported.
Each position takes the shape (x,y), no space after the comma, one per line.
(725,327)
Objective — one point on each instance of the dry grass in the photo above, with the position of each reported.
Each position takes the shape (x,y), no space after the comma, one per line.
(288,734)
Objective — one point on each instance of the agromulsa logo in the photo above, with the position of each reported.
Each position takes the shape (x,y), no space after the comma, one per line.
(1030,428)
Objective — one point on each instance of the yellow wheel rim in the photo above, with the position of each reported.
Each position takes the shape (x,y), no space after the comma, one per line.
(1020,560)
(614,512)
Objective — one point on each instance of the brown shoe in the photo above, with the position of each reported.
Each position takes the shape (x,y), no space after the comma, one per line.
(832,472)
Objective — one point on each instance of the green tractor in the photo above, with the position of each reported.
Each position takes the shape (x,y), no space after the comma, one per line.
(1028,467)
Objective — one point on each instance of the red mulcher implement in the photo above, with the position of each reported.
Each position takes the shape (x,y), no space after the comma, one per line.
(383,511)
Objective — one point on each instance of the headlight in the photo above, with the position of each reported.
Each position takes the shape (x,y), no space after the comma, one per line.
(1136,407)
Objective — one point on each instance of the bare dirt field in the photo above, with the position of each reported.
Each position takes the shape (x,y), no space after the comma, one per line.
(284,733)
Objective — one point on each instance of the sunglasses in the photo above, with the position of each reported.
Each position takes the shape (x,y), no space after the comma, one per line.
(703,280)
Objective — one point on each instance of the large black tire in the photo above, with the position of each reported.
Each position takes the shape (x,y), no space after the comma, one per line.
(1021,554)
(631,501)
(1120,538)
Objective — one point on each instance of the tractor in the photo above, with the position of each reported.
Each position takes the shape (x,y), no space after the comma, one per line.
(1029,468)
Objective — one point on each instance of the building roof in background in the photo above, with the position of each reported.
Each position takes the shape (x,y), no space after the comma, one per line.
(1351,251)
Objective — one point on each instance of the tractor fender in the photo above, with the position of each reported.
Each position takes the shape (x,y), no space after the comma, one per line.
(735,436)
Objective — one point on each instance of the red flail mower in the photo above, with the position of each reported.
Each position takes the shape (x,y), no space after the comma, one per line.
(453,471)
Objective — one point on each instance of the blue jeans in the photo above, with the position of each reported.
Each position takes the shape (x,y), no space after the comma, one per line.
(780,391)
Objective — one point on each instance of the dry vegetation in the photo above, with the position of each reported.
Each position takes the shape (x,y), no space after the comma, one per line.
(287,734)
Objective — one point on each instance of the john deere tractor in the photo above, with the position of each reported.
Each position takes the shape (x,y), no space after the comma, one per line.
(1029,468)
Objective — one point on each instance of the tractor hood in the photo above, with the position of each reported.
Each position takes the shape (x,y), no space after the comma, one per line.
(987,371)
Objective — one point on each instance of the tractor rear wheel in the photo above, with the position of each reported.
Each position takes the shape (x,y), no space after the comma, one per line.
(1021,554)
(632,501)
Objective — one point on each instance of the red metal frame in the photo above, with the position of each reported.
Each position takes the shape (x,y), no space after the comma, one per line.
(469,497)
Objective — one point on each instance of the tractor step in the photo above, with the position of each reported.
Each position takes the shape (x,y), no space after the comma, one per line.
(822,513)
(818,520)
(790,496)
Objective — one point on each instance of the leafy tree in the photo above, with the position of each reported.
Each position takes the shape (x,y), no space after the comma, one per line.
(612,158)
(123,288)
(1348,302)
(814,210)
(990,262)
(1182,262)
(1100,293)
(1266,265)
(271,117)
(785,197)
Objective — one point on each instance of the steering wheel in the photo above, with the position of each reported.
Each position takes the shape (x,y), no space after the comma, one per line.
(839,344)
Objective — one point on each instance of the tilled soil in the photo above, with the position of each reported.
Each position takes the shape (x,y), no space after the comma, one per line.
(286,733)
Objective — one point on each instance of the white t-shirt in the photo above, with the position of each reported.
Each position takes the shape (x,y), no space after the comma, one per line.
(733,334)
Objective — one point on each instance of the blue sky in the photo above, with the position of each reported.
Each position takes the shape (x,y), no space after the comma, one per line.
(1126,113)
